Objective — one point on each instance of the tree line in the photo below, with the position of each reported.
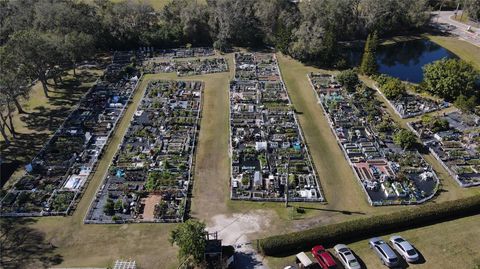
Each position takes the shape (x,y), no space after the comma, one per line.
(40,38)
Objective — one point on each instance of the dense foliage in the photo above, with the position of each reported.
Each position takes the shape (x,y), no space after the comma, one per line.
(349,79)
(362,228)
(392,88)
(44,37)
(450,78)
(369,65)
(190,237)
(405,139)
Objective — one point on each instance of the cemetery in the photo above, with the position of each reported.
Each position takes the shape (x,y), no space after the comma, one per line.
(151,173)
(411,105)
(270,161)
(58,174)
(186,67)
(453,139)
(364,131)
(180,52)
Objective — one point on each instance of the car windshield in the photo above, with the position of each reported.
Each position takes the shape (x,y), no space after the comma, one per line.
(392,259)
(353,263)
(411,252)
(399,240)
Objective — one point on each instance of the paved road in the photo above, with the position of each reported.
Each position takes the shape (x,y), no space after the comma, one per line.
(443,21)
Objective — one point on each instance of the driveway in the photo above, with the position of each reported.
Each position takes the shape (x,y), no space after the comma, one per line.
(236,230)
(443,21)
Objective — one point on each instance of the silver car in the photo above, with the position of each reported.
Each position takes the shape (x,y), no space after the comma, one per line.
(346,257)
(384,252)
(404,248)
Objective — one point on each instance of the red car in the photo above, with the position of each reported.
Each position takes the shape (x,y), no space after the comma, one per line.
(323,257)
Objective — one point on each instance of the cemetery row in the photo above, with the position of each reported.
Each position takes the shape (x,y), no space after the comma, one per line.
(409,105)
(177,53)
(454,140)
(364,132)
(57,176)
(186,67)
(270,160)
(149,178)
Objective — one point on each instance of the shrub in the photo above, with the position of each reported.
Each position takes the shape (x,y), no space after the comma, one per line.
(362,228)
(393,88)
(405,139)
(348,79)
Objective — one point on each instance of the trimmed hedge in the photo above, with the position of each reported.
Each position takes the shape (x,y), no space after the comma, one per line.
(354,230)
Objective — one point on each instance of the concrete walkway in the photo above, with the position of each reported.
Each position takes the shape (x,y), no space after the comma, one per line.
(443,21)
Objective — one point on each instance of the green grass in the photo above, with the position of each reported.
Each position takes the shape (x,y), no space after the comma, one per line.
(462,49)
(450,244)
(100,245)
(43,116)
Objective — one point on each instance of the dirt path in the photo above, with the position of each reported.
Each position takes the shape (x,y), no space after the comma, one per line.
(238,230)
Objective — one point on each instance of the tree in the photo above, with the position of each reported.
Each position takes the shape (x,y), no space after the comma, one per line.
(349,79)
(14,81)
(35,52)
(449,78)
(388,16)
(393,88)
(405,139)
(189,18)
(466,105)
(234,22)
(190,237)
(369,65)
(109,207)
(118,206)
(472,8)
(76,47)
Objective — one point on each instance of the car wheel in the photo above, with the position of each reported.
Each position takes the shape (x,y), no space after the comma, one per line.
(383,262)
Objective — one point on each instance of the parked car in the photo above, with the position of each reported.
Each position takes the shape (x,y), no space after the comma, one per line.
(405,249)
(323,257)
(346,257)
(384,252)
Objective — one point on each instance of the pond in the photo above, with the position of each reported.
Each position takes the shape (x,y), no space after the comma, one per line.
(404,60)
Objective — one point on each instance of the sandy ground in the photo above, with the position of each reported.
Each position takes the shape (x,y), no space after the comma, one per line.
(238,230)
(150,202)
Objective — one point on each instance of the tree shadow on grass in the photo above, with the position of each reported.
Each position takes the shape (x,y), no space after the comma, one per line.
(345,212)
(24,247)
(24,147)
(43,119)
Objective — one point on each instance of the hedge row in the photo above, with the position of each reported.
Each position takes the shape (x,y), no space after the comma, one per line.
(358,229)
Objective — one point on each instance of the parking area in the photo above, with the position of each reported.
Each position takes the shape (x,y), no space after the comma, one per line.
(445,245)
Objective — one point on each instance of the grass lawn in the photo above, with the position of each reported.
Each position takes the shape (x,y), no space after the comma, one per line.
(450,190)
(462,49)
(43,116)
(342,191)
(100,245)
(445,245)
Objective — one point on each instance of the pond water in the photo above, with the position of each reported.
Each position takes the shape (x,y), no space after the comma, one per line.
(404,60)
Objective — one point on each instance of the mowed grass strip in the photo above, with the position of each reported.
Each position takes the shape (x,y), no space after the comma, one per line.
(449,189)
(341,189)
(461,48)
(100,245)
